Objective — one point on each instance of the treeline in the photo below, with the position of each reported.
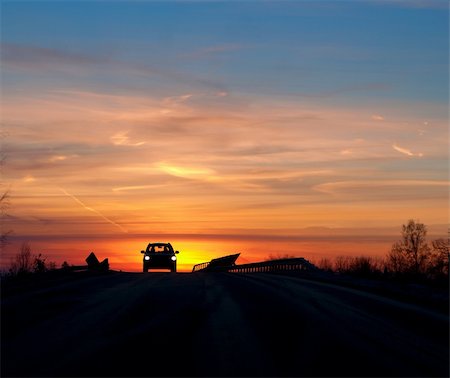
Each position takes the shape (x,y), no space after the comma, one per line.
(411,258)
(26,263)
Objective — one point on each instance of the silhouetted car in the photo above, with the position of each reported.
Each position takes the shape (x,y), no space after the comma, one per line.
(160,256)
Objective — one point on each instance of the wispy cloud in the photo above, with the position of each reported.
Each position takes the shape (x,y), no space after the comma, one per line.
(377,117)
(383,191)
(122,139)
(419,4)
(29,179)
(60,158)
(51,60)
(88,208)
(39,58)
(185,171)
(212,51)
(345,185)
(406,151)
(136,187)
(175,100)
(368,87)
(56,158)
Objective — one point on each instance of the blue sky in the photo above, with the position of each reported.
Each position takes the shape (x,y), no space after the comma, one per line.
(374,50)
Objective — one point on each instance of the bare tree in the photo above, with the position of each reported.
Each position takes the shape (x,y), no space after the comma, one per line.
(439,261)
(4,204)
(4,198)
(410,254)
(280,257)
(342,264)
(23,262)
(26,262)
(325,264)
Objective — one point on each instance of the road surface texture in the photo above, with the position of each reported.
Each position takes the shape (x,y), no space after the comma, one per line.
(214,324)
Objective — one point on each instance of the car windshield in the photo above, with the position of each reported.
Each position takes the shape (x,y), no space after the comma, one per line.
(158,248)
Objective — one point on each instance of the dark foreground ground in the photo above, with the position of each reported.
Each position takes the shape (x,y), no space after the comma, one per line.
(216,324)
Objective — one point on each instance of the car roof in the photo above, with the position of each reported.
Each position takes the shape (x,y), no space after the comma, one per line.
(158,244)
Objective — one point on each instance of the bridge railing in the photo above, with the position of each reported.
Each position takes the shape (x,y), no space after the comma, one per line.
(272,266)
(201,266)
(282,265)
(217,263)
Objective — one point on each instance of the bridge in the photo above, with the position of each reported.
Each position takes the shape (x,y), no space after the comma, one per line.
(228,264)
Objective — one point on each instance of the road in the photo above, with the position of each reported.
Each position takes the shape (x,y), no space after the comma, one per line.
(216,324)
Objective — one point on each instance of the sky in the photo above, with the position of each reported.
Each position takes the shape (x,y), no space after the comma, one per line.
(269,128)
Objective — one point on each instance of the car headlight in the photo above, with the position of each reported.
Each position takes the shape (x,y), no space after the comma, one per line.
(173,258)
(147,258)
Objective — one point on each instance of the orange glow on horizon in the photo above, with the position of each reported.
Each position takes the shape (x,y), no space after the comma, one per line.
(124,254)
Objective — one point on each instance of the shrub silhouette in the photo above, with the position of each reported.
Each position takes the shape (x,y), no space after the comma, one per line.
(439,259)
(39,265)
(411,258)
(25,262)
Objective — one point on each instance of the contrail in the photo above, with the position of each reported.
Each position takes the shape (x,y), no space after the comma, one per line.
(93,210)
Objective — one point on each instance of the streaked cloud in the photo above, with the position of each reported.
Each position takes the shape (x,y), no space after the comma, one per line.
(49,60)
(377,117)
(212,51)
(174,100)
(39,58)
(88,208)
(344,185)
(383,191)
(60,158)
(56,158)
(28,179)
(223,48)
(188,172)
(135,187)
(415,4)
(122,139)
(406,151)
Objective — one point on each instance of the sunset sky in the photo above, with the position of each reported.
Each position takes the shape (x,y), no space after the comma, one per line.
(312,129)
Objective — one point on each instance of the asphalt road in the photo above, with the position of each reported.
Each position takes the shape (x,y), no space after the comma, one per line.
(216,324)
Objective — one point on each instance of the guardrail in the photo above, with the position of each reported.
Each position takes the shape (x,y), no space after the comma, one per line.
(93,264)
(201,266)
(272,266)
(217,264)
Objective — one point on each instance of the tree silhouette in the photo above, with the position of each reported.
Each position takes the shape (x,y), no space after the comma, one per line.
(4,199)
(39,264)
(23,262)
(4,203)
(410,254)
(439,258)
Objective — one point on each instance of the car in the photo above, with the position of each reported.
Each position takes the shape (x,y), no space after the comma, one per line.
(159,256)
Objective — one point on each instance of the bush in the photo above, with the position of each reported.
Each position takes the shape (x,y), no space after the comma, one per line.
(325,264)
(362,266)
(22,263)
(438,264)
(26,263)
(280,257)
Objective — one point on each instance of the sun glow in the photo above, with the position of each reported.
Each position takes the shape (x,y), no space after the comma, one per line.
(186,172)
